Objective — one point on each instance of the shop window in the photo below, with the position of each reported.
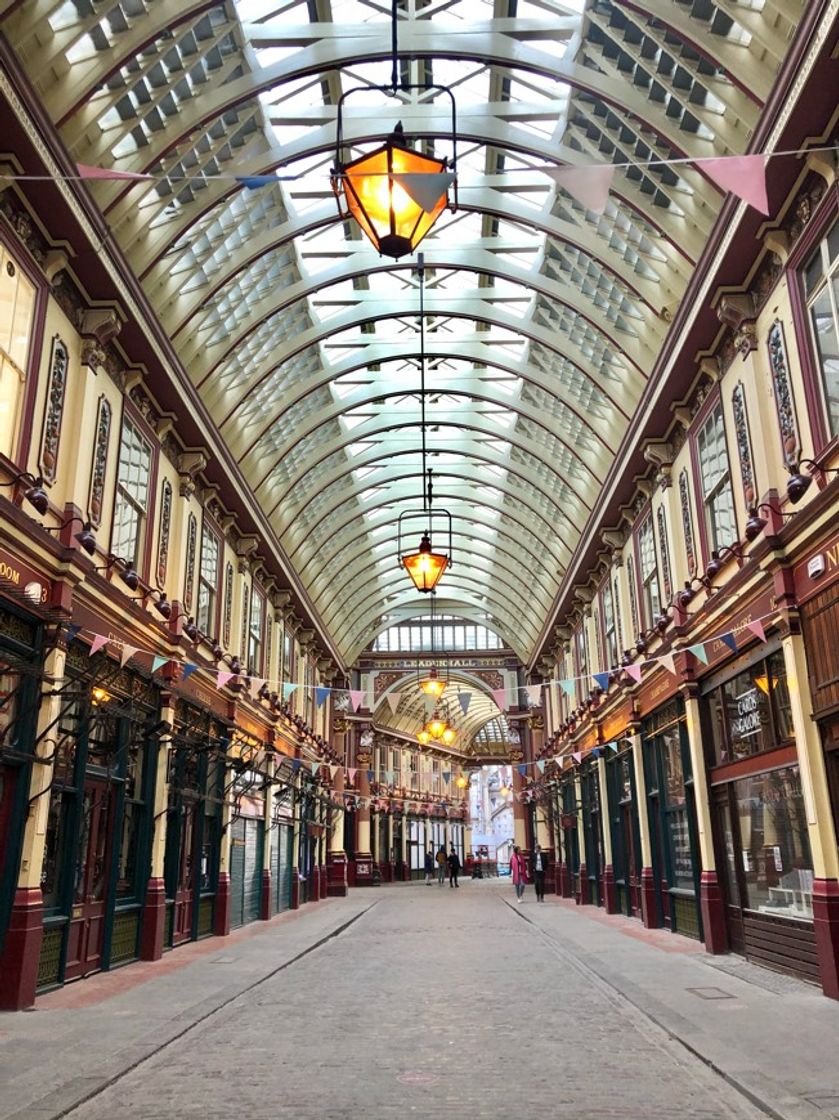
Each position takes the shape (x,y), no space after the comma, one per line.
(610,633)
(676,809)
(716,480)
(821,290)
(129,882)
(207,580)
(777,868)
(650,590)
(17,319)
(131,507)
(751,713)
(255,632)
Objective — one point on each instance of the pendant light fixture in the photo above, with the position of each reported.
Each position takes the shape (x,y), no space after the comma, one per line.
(432,684)
(394,193)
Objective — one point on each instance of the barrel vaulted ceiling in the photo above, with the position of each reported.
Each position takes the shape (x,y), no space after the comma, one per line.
(543,319)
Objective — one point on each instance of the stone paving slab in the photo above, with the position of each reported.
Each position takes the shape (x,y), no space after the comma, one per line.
(404,1002)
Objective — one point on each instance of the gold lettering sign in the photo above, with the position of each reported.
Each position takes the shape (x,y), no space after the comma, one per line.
(8,573)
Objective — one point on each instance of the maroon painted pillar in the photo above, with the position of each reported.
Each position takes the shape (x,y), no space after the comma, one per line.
(337,885)
(265,902)
(295,888)
(826,927)
(22,950)
(610,890)
(583,898)
(221,912)
(154,921)
(564,880)
(712,908)
(649,909)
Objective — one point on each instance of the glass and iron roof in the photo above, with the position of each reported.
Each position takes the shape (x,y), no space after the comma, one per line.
(543,319)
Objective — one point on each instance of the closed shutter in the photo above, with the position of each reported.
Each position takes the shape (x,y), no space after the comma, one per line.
(282,876)
(237,873)
(253,870)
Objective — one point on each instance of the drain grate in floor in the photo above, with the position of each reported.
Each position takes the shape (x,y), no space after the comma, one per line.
(710,993)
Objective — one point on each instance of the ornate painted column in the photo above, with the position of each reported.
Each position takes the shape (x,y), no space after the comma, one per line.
(363,856)
(268,766)
(817,807)
(610,894)
(711,902)
(154,909)
(582,892)
(221,910)
(519,823)
(337,858)
(25,933)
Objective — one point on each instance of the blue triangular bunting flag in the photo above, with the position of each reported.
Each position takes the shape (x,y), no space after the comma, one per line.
(371,775)
(601,680)
(522,768)
(254,182)
(465,699)
(189,669)
(320,695)
(729,640)
(446,775)
(72,631)
(295,765)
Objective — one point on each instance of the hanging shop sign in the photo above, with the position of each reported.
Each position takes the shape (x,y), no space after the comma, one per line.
(716,649)
(615,722)
(657,690)
(26,581)
(818,570)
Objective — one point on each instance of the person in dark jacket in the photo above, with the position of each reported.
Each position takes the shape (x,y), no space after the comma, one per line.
(538,867)
(454,868)
(429,867)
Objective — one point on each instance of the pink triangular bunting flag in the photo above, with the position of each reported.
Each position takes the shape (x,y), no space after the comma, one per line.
(356,697)
(499,695)
(633,671)
(756,628)
(223,677)
(127,653)
(577,756)
(88,172)
(426,188)
(588,185)
(351,773)
(534,694)
(744,176)
(256,685)
(99,640)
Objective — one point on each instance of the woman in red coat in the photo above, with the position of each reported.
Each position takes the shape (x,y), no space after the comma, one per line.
(518,870)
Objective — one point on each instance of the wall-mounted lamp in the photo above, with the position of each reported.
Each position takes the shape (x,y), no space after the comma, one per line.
(35,493)
(84,537)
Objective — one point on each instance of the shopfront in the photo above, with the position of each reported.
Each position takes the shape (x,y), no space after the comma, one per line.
(196,773)
(761,834)
(624,830)
(20,684)
(591,875)
(98,832)
(569,872)
(672,819)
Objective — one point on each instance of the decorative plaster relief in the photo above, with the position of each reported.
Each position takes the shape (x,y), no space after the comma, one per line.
(53,411)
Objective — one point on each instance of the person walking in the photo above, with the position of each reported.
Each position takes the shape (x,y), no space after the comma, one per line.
(538,867)
(442,861)
(454,868)
(518,870)
(429,867)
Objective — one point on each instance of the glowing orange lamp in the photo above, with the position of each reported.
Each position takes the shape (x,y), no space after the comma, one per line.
(425,566)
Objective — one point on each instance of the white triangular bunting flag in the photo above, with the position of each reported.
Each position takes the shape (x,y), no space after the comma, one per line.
(540,765)
(127,653)
(393,702)
(534,694)
(256,685)
(588,185)
(426,188)
(668,660)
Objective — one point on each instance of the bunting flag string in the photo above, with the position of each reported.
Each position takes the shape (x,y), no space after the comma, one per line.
(358,697)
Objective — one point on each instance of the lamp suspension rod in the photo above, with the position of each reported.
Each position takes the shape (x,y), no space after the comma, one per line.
(394,73)
(426,490)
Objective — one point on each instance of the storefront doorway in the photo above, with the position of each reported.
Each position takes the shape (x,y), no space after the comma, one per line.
(86,932)
(626,841)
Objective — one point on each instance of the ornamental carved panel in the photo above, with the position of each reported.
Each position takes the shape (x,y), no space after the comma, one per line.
(782,393)
(189,575)
(744,442)
(664,553)
(687,521)
(227,614)
(99,465)
(53,410)
(246,615)
(165,531)
(633,595)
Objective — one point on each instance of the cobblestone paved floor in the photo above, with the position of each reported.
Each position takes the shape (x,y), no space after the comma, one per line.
(433,1003)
